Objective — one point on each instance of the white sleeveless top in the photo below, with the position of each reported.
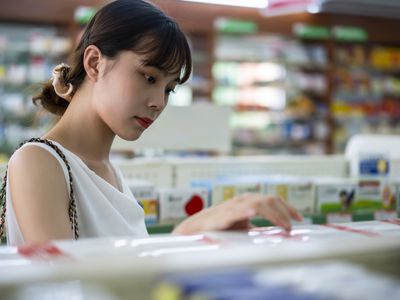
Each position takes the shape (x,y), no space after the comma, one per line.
(102,210)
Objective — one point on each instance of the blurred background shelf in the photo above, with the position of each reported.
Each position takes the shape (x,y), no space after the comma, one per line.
(335,69)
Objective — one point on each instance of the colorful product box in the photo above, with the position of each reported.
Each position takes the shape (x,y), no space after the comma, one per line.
(225,191)
(376,193)
(396,182)
(175,204)
(372,165)
(298,192)
(146,194)
(222,189)
(398,197)
(334,194)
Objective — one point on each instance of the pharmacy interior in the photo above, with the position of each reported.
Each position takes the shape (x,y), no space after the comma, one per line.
(294,98)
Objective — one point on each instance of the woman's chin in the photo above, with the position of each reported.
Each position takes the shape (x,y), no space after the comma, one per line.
(130,136)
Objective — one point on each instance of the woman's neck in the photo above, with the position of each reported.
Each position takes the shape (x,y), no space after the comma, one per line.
(81,130)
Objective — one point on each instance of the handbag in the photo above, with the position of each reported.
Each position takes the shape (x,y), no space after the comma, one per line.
(72,204)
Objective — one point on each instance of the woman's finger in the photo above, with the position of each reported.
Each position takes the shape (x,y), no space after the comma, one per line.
(293,212)
(273,208)
(285,212)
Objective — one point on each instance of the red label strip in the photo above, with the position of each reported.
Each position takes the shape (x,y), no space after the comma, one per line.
(353,230)
(392,221)
(41,252)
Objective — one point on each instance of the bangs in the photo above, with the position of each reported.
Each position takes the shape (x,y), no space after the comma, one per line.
(168,50)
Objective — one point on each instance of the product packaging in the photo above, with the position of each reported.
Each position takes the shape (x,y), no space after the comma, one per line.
(145,193)
(299,192)
(222,189)
(175,204)
(376,193)
(334,195)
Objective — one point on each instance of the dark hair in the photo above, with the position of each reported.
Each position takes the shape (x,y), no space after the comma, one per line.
(125,25)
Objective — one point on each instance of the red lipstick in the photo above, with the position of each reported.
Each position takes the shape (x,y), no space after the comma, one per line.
(144,122)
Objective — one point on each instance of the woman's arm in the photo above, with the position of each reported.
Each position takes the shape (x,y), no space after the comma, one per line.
(237,212)
(39,195)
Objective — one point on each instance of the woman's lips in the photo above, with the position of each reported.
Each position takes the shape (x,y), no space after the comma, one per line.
(144,122)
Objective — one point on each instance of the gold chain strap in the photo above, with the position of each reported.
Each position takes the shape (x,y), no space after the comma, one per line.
(3,202)
(72,204)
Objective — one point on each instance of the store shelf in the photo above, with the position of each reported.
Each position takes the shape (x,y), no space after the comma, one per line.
(322,218)
(117,268)
(160,229)
(287,80)
(365,96)
(310,68)
(27,56)
(284,143)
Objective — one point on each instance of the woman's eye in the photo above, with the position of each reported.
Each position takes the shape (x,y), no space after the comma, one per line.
(150,79)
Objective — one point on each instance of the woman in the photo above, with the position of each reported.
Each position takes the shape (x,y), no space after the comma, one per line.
(129,59)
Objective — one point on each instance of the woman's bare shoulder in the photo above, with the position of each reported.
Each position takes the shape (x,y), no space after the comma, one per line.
(32,158)
(39,194)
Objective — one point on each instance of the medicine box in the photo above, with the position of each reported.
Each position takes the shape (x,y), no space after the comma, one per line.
(225,188)
(176,204)
(145,193)
(298,192)
(334,194)
(376,193)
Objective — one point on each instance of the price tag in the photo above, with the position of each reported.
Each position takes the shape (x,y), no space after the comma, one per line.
(381,215)
(338,218)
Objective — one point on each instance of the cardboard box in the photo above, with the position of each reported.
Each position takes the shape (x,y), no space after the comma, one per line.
(298,192)
(145,193)
(223,189)
(334,194)
(176,204)
(376,193)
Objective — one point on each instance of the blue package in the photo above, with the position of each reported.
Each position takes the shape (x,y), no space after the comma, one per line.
(374,166)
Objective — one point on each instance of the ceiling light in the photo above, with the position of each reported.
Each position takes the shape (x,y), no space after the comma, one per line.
(246,3)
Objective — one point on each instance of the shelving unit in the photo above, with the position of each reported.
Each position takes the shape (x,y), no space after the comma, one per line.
(367,90)
(337,82)
(278,87)
(27,56)
(310,84)
(201,82)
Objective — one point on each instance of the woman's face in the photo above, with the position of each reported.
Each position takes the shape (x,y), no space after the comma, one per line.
(129,96)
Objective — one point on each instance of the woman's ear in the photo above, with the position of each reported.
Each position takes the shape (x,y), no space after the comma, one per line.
(91,62)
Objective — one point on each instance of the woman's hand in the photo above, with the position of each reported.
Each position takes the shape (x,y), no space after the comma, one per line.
(235,214)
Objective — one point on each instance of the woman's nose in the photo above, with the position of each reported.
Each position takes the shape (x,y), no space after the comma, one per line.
(158,101)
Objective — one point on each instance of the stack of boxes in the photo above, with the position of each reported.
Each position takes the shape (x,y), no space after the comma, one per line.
(145,193)
(297,191)
(168,205)
(176,204)
(372,190)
